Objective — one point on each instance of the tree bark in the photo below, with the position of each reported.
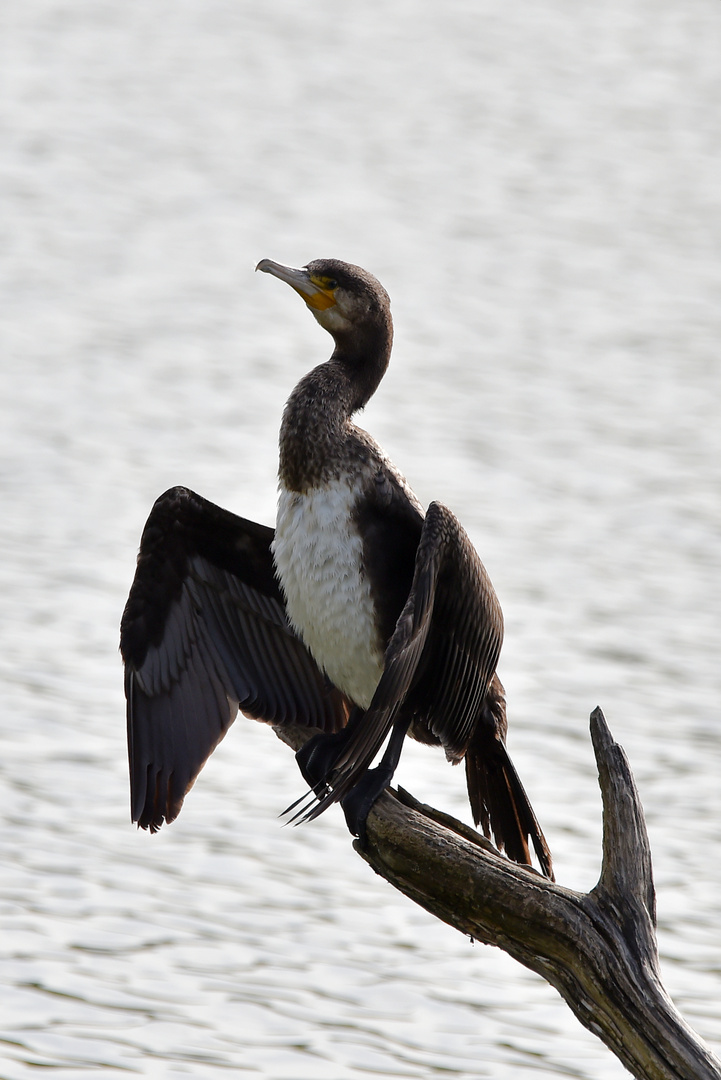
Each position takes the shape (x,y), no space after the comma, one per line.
(598,949)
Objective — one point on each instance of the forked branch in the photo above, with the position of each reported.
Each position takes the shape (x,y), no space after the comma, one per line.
(598,948)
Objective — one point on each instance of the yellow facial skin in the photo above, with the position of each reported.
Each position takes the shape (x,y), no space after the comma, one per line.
(322,299)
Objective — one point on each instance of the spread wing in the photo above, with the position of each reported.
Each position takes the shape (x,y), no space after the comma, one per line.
(204,632)
(441,657)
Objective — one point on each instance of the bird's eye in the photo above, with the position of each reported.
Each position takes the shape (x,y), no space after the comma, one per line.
(330,283)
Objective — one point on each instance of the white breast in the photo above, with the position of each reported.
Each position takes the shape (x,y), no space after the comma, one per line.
(319,558)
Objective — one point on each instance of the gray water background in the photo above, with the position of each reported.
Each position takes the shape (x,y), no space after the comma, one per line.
(538,187)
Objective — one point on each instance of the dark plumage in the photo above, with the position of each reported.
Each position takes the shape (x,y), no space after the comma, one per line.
(359,615)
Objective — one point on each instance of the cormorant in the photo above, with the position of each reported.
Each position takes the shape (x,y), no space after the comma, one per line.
(360,615)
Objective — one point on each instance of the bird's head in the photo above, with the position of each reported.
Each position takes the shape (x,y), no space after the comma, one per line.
(345,299)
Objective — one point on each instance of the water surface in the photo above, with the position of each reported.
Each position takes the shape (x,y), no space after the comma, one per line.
(538,189)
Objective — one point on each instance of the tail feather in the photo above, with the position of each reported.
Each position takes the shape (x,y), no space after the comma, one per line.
(500,804)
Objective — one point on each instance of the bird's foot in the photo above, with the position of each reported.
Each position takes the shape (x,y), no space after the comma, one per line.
(358,802)
(317,759)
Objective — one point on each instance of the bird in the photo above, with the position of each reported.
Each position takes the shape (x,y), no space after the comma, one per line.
(360,615)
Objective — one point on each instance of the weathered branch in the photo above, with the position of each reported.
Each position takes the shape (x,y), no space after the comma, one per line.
(598,948)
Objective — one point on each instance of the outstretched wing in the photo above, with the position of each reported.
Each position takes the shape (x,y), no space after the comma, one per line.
(441,657)
(204,632)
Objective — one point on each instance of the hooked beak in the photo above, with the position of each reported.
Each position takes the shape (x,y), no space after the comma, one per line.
(315,294)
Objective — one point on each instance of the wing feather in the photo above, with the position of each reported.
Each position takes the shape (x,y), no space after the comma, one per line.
(204,632)
(441,656)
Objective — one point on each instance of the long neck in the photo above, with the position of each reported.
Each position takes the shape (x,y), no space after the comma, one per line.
(316,420)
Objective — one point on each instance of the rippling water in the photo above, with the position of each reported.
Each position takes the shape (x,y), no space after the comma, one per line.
(538,188)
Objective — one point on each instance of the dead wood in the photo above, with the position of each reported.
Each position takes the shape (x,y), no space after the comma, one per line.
(598,949)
